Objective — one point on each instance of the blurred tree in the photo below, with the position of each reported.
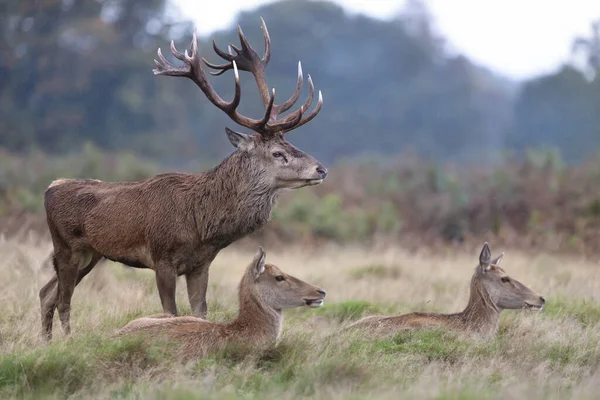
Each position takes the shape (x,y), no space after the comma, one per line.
(591,48)
(560,110)
(77,71)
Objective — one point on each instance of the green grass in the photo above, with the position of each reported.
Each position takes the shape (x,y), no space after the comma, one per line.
(64,368)
(349,310)
(585,311)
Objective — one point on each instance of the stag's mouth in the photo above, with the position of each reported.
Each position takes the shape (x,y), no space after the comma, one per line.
(537,307)
(314,303)
(312,182)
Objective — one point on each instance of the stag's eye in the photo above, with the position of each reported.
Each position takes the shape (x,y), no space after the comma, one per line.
(279,154)
(505,279)
(279,278)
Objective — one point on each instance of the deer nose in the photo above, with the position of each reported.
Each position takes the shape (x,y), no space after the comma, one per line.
(321,170)
(321,292)
(543,300)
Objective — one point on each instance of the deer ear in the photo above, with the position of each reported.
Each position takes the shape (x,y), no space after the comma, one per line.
(485,257)
(239,140)
(498,259)
(258,263)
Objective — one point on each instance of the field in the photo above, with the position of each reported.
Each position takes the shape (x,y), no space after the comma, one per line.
(549,355)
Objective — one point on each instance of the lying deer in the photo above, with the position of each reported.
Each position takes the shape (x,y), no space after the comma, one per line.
(175,223)
(264,292)
(491,292)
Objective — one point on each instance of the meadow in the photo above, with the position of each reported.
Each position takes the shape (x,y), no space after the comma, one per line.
(553,354)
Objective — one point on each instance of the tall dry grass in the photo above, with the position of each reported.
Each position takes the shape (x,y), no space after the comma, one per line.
(549,355)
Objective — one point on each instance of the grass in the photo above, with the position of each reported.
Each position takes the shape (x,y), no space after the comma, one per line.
(554,354)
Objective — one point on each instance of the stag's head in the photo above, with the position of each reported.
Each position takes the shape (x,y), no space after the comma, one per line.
(504,291)
(284,164)
(279,290)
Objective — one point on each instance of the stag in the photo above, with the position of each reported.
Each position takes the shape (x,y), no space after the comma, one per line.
(176,223)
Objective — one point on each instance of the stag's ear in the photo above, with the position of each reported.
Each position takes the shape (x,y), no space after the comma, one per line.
(239,140)
(258,264)
(498,259)
(485,258)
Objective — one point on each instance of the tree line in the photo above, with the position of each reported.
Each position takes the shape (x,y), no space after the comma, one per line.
(73,72)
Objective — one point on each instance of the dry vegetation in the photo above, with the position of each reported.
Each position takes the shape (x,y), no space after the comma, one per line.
(536,202)
(553,354)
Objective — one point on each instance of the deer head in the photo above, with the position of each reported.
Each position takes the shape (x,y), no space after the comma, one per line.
(504,291)
(284,164)
(279,290)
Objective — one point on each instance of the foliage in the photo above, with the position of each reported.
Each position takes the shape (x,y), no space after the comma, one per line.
(537,201)
(88,78)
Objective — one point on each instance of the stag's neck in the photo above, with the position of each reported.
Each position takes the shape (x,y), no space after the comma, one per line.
(233,200)
(481,314)
(256,322)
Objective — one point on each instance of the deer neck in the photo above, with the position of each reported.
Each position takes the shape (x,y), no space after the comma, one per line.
(244,180)
(233,200)
(256,322)
(481,314)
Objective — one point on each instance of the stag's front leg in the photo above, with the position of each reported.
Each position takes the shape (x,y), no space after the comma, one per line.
(197,285)
(166,281)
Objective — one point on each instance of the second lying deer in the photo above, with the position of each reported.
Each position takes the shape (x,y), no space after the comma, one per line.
(491,292)
(264,292)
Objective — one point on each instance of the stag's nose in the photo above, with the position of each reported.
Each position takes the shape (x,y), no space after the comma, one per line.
(543,300)
(321,292)
(321,170)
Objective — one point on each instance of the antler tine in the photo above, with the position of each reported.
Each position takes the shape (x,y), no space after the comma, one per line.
(294,121)
(221,53)
(313,113)
(292,100)
(221,67)
(267,55)
(238,92)
(284,124)
(243,41)
(268,110)
(311,94)
(176,53)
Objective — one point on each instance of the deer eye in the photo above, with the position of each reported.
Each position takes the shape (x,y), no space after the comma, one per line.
(505,279)
(279,278)
(279,154)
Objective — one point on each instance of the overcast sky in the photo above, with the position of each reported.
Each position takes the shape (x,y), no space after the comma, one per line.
(518,38)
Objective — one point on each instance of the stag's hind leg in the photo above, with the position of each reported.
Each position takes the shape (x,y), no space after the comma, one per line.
(71,268)
(48,302)
(49,295)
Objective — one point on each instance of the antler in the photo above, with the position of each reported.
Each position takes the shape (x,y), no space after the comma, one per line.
(245,59)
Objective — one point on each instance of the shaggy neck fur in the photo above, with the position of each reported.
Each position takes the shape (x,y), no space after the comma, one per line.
(233,200)
(481,314)
(256,321)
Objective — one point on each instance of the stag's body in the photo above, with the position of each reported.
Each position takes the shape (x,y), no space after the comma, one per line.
(175,223)
(259,320)
(491,292)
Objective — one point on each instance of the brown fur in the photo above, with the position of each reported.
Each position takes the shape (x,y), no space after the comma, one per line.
(491,292)
(262,298)
(173,223)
